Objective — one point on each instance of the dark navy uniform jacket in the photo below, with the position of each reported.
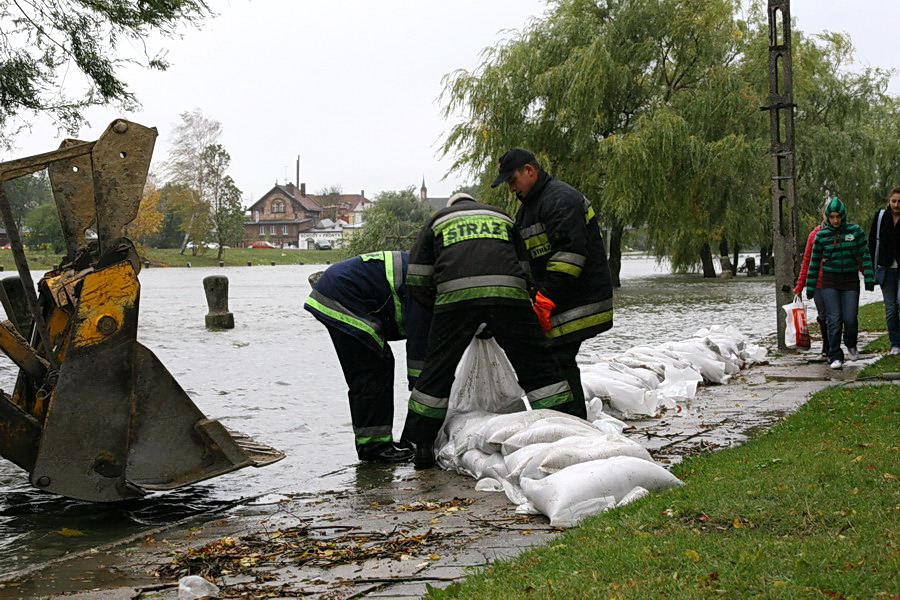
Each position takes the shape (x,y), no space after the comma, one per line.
(366,297)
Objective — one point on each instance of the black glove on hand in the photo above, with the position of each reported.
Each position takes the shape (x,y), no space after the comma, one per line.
(870,286)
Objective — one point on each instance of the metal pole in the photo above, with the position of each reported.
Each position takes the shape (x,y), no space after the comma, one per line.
(781,124)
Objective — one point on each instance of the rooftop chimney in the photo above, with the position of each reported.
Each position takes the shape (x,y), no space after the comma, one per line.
(302,189)
(362,193)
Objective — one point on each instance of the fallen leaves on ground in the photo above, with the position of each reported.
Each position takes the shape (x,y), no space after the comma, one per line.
(431,505)
(298,546)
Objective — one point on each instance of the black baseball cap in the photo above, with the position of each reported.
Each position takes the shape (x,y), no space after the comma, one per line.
(515,158)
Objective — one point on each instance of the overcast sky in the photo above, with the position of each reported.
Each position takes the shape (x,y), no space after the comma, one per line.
(352,86)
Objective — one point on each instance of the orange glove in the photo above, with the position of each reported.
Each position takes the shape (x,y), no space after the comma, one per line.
(542,307)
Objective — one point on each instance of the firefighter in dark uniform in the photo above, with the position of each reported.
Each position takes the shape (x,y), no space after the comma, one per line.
(573,294)
(467,264)
(364,303)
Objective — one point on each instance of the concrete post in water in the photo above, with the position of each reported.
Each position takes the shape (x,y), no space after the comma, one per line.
(781,126)
(216,288)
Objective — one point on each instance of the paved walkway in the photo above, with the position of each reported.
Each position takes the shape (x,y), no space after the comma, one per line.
(399,530)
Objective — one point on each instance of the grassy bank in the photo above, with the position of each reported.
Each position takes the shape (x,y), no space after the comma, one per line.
(807,510)
(42,260)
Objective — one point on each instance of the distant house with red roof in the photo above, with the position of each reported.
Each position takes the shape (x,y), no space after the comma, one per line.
(286,211)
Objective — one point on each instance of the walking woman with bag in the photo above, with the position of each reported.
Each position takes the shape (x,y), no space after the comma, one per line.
(884,245)
(841,251)
(801,282)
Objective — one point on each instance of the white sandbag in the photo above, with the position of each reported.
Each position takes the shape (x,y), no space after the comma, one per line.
(478,464)
(516,461)
(630,400)
(485,380)
(640,362)
(594,409)
(679,384)
(608,371)
(495,431)
(576,492)
(488,484)
(576,450)
(594,386)
(648,377)
(460,433)
(712,369)
(607,423)
(547,430)
(635,494)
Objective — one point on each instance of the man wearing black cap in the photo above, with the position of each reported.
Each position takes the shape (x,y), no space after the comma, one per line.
(572,284)
(467,264)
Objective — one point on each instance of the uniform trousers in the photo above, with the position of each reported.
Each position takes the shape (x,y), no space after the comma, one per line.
(518,333)
(370,378)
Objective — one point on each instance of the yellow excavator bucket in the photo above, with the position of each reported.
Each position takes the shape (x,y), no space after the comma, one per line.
(94,414)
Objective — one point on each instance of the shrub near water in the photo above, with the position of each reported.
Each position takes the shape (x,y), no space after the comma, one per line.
(807,510)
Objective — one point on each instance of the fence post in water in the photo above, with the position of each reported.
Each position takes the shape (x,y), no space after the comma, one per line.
(216,288)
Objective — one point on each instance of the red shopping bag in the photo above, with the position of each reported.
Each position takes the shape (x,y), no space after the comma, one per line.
(796,332)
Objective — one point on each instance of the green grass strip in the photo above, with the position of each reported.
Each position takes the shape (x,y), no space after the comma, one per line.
(807,510)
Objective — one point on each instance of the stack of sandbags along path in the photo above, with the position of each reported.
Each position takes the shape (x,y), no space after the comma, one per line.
(562,466)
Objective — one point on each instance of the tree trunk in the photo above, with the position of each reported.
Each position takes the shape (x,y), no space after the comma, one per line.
(723,247)
(709,270)
(734,263)
(615,254)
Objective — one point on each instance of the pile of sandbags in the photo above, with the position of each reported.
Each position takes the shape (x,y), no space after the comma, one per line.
(643,380)
(562,466)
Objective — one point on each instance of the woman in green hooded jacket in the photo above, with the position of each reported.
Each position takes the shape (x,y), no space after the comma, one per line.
(841,250)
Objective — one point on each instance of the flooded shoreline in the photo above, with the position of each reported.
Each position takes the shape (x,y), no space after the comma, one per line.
(276,377)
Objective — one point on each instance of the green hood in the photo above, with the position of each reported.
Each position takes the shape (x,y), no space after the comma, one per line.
(835,205)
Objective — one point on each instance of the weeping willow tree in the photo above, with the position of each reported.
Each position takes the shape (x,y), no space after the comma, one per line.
(651,109)
(587,72)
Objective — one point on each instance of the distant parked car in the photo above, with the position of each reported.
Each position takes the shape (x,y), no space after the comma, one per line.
(323,245)
(263,244)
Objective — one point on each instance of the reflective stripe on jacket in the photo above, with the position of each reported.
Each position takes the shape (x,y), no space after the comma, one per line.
(568,259)
(366,297)
(468,252)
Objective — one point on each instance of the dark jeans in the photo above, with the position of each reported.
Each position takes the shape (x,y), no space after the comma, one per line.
(820,319)
(890,291)
(841,307)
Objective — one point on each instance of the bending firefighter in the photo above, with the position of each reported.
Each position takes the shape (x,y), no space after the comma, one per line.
(364,303)
(467,264)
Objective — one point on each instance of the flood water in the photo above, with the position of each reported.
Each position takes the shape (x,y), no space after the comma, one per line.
(275,377)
